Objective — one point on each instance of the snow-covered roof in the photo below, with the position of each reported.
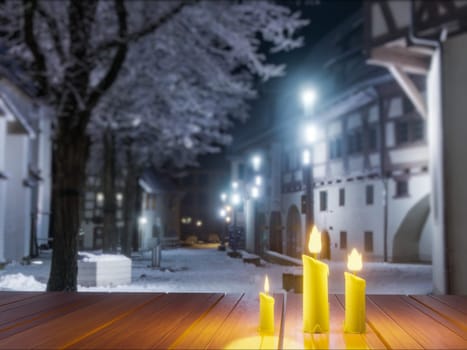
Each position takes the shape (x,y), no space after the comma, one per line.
(153,182)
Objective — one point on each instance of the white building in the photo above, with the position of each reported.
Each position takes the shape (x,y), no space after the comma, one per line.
(25,168)
(160,211)
(429,39)
(367,166)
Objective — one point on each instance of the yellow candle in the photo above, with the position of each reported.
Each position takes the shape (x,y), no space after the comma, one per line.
(355,313)
(266,310)
(315,289)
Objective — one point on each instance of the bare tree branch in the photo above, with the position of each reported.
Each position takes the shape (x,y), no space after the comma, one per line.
(39,66)
(118,59)
(150,28)
(53,30)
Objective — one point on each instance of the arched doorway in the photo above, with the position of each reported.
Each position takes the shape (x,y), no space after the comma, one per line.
(294,229)
(275,232)
(325,246)
(407,238)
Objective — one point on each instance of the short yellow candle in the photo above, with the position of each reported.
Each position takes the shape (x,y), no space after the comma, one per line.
(355,313)
(315,289)
(266,310)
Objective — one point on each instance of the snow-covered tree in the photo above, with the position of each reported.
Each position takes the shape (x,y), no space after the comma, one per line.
(186,68)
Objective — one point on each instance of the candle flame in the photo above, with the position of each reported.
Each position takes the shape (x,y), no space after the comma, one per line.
(314,243)
(355,261)
(266,285)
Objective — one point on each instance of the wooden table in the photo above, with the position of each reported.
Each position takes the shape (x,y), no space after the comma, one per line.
(210,320)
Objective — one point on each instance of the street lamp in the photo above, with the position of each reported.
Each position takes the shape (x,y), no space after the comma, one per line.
(256,162)
(308,98)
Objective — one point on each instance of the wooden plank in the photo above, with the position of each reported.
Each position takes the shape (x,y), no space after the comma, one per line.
(450,318)
(30,307)
(30,312)
(201,334)
(428,332)
(370,336)
(457,302)
(294,337)
(70,328)
(13,297)
(157,325)
(389,331)
(240,329)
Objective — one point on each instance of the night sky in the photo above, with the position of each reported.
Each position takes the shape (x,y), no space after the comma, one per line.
(324,16)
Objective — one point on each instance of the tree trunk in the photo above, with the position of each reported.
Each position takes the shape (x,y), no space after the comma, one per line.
(69,161)
(110,206)
(129,198)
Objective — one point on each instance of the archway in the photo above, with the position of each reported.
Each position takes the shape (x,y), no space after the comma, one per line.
(275,232)
(407,237)
(325,245)
(294,229)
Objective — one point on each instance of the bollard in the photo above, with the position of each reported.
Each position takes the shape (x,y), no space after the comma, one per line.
(156,255)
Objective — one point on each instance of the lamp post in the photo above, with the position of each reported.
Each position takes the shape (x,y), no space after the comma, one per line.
(225,215)
(308,99)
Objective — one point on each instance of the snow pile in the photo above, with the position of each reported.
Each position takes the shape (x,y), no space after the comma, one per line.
(18,281)
(89,257)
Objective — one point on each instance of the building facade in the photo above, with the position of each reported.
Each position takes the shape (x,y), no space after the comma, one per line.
(428,39)
(363,180)
(25,172)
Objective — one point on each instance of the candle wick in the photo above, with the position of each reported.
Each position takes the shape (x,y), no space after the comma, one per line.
(354,272)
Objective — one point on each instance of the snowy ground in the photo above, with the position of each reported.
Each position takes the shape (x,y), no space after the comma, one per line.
(208,270)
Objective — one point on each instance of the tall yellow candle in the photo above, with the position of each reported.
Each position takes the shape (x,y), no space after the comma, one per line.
(266,310)
(355,313)
(315,289)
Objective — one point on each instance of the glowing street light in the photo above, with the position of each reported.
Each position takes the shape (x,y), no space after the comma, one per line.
(308,97)
(223,197)
(256,162)
(235,199)
(142,220)
(310,134)
(234,185)
(306,157)
(258,180)
(255,192)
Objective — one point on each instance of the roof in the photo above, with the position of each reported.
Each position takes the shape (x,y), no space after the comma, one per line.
(154,182)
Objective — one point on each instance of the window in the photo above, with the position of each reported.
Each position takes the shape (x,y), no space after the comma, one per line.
(409,131)
(402,132)
(343,240)
(368,241)
(341,197)
(418,130)
(286,161)
(402,188)
(323,200)
(373,138)
(354,142)
(369,194)
(335,148)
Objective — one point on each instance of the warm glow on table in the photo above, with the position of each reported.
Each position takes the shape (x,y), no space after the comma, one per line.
(266,310)
(355,312)
(315,289)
